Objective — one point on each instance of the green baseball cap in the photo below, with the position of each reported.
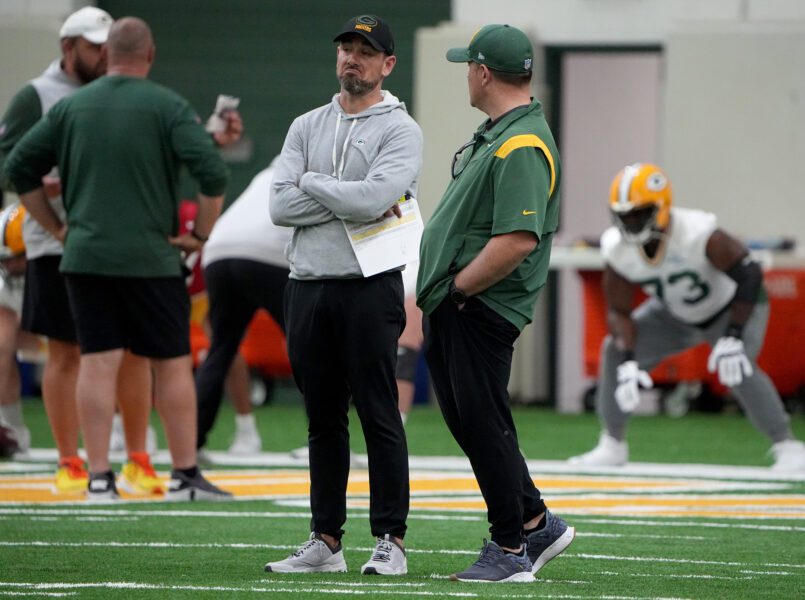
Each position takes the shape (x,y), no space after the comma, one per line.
(499,47)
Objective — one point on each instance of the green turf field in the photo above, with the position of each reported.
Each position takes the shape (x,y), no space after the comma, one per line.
(205,550)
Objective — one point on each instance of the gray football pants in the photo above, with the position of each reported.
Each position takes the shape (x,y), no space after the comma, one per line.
(660,335)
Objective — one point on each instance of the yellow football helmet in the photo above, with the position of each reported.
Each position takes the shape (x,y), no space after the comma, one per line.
(11,219)
(640,201)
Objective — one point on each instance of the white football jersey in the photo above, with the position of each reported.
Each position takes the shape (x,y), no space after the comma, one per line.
(681,275)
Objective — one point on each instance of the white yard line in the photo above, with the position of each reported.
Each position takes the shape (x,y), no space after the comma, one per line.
(14,510)
(37,594)
(672,575)
(216,545)
(9,509)
(249,546)
(285,587)
(662,559)
(639,535)
(126,585)
(695,524)
(461,464)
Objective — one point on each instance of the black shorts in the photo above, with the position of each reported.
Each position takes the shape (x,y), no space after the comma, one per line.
(45,307)
(150,316)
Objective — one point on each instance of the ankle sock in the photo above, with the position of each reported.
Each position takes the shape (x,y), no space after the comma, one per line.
(245,423)
(540,526)
(333,549)
(189,473)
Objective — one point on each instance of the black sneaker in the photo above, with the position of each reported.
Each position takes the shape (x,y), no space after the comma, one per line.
(549,542)
(184,488)
(101,487)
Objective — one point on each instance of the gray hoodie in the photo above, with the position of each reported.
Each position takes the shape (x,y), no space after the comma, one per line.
(337,167)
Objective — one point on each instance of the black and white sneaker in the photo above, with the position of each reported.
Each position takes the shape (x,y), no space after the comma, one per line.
(184,488)
(101,487)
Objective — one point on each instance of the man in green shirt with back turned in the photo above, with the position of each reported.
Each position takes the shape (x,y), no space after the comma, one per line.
(119,143)
(483,262)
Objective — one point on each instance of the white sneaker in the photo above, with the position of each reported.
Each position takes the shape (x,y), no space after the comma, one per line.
(789,455)
(301,452)
(608,453)
(387,559)
(246,442)
(203,458)
(314,556)
(23,437)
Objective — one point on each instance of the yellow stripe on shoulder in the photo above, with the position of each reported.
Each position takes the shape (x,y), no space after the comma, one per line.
(532,141)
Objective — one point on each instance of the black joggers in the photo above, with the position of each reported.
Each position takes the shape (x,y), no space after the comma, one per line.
(469,354)
(342,342)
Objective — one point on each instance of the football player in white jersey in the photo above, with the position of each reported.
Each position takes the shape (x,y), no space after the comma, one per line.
(12,280)
(703,286)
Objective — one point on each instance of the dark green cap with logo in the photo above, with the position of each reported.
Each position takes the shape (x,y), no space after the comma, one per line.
(499,47)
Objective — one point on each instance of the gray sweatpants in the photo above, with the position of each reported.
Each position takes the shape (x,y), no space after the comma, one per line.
(660,335)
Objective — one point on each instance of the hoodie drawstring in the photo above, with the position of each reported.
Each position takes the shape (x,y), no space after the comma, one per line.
(337,173)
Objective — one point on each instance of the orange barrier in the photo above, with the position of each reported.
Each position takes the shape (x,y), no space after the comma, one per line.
(781,356)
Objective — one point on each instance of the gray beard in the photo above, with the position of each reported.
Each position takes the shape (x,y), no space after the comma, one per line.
(356,86)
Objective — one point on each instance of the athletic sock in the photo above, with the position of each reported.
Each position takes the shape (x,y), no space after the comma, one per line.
(540,525)
(190,473)
(333,549)
(245,423)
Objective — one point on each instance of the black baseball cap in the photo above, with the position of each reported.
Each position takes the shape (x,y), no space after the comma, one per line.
(373,29)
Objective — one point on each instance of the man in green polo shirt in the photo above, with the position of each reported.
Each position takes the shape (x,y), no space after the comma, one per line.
(119,143)
(484,260)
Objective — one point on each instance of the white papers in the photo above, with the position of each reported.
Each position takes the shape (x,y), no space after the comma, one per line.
(389,242)
(216,122)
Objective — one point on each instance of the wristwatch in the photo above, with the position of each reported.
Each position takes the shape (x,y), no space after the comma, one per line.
(457,296)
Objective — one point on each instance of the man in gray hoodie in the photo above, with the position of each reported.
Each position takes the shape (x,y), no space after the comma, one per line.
(350,160)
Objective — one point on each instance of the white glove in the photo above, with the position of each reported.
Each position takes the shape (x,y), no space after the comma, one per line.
(630,379)
(729,358)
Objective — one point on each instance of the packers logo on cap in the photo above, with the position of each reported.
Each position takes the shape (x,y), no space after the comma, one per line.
(365,23)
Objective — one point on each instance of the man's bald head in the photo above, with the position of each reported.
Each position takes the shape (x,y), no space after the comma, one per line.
(130,40)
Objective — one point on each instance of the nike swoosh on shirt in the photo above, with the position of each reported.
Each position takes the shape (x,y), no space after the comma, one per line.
(529,212)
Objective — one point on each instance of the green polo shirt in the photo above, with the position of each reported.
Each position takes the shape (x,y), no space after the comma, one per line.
(119,143)
(507,180)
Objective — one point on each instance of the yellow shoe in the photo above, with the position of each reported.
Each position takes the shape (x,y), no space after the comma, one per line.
(139,478)
(71,477)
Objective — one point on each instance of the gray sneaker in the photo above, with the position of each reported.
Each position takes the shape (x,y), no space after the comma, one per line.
(387,559)
(549,542)
(496,566)
(182,488)
(314,556)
